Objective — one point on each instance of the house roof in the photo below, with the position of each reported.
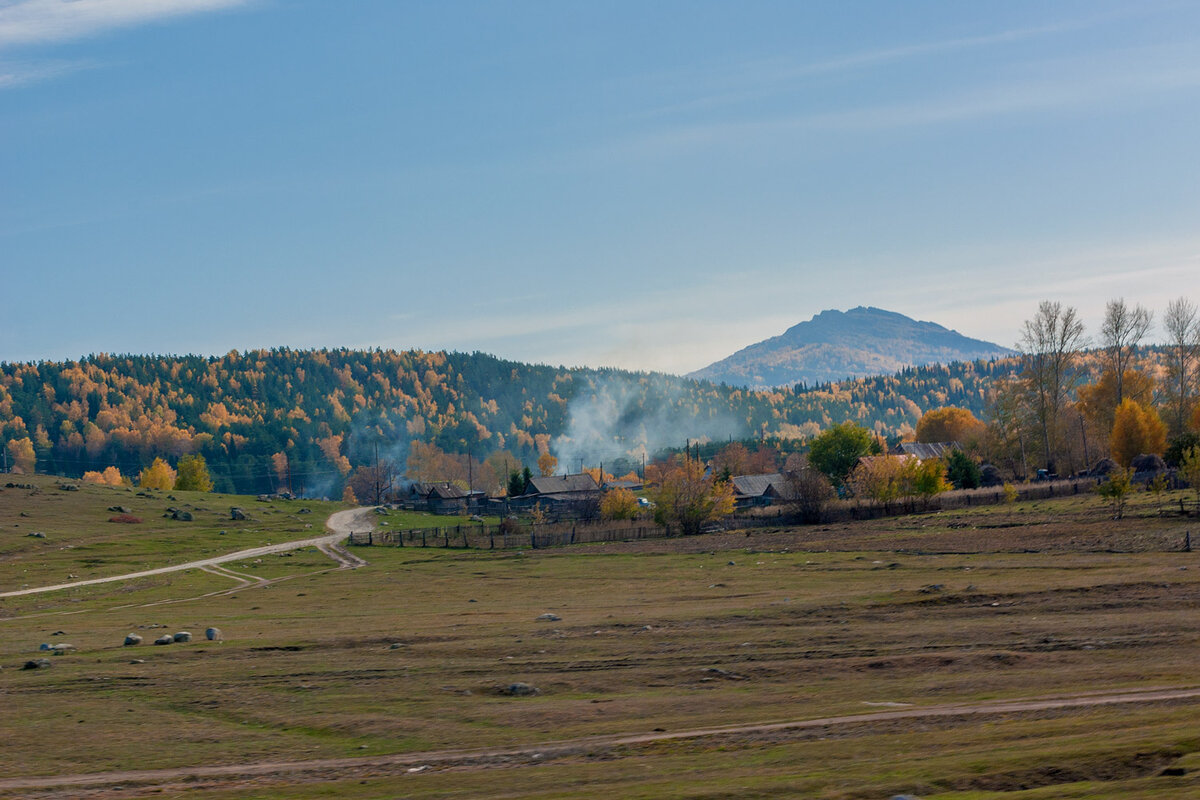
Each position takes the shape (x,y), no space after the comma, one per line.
(563,484)
(927,450)
(441,491)
(756,485)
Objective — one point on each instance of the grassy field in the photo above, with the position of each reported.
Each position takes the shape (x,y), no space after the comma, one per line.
(411,653)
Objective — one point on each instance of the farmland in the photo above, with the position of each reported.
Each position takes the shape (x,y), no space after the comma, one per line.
(913,641)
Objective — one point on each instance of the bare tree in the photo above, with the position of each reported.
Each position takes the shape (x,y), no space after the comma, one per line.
(1122,329)
(1050,343)
(1182,325)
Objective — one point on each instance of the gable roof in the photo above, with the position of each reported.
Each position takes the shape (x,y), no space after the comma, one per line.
(442,491)
(927,450)
(757,485)
(563,484)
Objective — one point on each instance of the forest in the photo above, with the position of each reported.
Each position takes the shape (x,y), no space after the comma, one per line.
(303,420)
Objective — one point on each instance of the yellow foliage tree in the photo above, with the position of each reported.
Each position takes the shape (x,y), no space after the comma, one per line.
(685,497)
(1136,430)
(547,464)
(21,455)
(949,424)
(1098,401)
(158,475)
(348,496)
(111,476)
(193,474)
(619,504)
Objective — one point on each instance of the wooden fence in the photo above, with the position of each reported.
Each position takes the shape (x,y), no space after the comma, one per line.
(482,536)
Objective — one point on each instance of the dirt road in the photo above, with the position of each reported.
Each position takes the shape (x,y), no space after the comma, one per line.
(339,525)
(484,758)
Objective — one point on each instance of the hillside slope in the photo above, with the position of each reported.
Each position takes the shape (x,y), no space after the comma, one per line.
(835,345)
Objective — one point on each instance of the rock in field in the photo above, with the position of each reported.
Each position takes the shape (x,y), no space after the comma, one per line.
(38,663)
(166,638)
(520,690)
(183,636)
(132,639)
(213,634)
(548,617)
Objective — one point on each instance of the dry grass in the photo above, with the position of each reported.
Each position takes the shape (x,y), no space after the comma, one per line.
(890,615)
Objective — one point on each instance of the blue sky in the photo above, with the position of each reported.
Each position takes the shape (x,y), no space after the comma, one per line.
(643,185)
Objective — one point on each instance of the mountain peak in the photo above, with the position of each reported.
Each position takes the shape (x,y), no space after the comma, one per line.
(846,344)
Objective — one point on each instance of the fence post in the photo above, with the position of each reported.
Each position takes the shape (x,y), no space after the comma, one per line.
(423,537)
(370,538)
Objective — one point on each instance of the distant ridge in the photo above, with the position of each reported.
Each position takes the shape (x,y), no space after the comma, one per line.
(846,344)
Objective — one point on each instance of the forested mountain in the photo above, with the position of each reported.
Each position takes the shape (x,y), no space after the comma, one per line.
(264,420)
(835,345)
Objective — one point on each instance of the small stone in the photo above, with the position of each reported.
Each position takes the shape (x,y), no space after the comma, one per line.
(731,564)
(213,634)
(520,690)
(548,617)
(59,649)
(132,639)
(36,535)
(38,663)
(183,636)
(138,661)
(166,638)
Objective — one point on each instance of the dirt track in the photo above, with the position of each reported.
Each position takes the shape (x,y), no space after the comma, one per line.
(339,526)
(498,756)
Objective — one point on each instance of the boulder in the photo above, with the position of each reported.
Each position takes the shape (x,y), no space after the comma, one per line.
(59,649)
(132,639)
(121,509)
(38,663)
(548,617)
(520,690)
(37,535)
(166,638)
(237,513)
(183,636)
(213,634)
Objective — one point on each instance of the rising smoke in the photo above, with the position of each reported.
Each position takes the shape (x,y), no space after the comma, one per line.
(633,416)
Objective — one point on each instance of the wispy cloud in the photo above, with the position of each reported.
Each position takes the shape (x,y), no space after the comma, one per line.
(30,22)
(23,73)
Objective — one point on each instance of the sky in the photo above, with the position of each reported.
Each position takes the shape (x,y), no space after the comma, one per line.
(645,185)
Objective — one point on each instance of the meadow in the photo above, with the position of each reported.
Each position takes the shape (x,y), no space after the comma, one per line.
(394,680)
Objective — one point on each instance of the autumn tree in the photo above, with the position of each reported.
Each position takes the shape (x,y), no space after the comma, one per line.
(158,475)
(619,504)
(836,451)
(193,474)
(879,479)
(949,424)
(21,456)
(685,497)
(279,462)
(1050,342)
(811,492)
(373,483)
(1181,323)
(547,464)
(1116,490)
(1123,328)
(1098,401)
(1010,424)
(348,495)
(1189,470)
(109,476)
(1136,430)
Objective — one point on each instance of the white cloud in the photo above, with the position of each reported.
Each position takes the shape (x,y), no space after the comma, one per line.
(14,74)
(26,22)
